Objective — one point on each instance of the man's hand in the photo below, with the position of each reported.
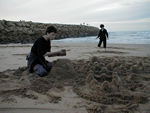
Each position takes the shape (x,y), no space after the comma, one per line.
(62,52)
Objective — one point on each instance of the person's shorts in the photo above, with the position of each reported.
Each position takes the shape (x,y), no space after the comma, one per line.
(40,70)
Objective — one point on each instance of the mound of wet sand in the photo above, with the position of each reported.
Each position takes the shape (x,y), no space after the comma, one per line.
(24,84)
(119,81)
(116,81)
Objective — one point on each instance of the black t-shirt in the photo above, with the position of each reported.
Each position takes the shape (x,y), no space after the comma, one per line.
(103,34)
(39,48)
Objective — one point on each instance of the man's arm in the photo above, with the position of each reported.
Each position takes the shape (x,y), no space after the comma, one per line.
(58,53)
(106,33)
(40,53)
(98,34)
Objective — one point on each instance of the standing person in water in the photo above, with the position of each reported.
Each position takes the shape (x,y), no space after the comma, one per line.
(103,35)
(41,48)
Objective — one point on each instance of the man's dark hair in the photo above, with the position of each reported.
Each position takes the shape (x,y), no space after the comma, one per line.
(102,25)
(51,29)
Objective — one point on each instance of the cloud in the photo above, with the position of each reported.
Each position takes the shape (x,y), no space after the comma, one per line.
(76,11)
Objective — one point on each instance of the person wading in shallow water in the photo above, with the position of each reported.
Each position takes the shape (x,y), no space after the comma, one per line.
(102,35)
(41,48)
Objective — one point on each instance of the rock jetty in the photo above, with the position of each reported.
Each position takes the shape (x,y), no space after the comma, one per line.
(28,31)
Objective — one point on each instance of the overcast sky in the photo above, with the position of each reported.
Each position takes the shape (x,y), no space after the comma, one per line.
(116,15)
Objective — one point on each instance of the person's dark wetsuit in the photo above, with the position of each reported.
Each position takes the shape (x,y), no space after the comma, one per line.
(102,36)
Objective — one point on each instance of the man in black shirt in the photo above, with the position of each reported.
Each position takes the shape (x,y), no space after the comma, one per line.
(102,36)
(42,47)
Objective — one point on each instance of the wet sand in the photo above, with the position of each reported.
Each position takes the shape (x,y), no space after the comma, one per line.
(87,80)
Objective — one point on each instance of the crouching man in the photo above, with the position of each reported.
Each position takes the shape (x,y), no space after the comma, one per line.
(41,48)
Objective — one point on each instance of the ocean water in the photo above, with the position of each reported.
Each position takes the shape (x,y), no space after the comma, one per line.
(131,37)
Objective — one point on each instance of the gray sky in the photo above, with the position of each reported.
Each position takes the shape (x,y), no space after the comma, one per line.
(116,15)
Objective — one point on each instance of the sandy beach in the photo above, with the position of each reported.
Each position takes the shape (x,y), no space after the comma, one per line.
(13,55)
(87,80)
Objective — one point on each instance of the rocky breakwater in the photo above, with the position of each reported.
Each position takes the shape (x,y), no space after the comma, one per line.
(27,32)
